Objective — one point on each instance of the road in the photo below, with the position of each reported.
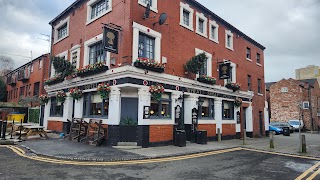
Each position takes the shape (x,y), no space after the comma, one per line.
(240,164)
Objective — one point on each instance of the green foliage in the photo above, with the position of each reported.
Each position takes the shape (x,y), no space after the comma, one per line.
(62,66)
(3,92)
(34,115)
(128,121)
(195,63)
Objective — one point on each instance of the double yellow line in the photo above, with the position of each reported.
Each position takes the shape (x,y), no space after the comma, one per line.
(22,153)
(307,172)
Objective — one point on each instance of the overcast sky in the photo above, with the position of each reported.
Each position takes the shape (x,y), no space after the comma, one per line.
(289,29)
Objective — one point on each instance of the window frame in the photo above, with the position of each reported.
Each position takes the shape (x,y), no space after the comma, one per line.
(62,31)
(200,17)
(211,110)
(228,34)
(215,33)
(306,103)
(58,26)
(145,38)
(259,86)
(53,105)
(231,103)
(95,52)
(89,10)
(87,106)
(248,54)
(160,106)
(153,5)
(186,7)
(249,80)
(75,49)
(34,89)
(258,58)
(209,61)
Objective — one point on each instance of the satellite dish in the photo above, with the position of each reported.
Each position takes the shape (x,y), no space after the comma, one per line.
(162,19)
(147,13)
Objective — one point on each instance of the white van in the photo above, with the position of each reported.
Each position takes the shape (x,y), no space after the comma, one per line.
(295,124)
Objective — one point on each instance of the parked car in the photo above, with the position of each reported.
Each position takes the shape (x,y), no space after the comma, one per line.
(275,129)
(283,125)
(295,124)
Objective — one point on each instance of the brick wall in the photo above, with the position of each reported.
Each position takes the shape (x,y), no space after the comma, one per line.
(228,129)
(55,125)
(210,128)
(160,133)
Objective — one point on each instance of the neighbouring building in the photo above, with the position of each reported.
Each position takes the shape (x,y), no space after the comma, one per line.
(189,30)
(296,99)
(308,72)
(26,83)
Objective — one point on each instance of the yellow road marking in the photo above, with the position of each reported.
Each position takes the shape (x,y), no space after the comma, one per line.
(314,175)
(21,153)
(282,154)
(303,175)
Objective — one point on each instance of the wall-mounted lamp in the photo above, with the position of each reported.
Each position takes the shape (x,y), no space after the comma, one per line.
(200,102)
(180,99)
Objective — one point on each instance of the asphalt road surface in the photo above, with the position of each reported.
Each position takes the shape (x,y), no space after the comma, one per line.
(240,164)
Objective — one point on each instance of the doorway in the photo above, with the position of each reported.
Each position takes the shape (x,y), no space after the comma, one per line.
(129,120)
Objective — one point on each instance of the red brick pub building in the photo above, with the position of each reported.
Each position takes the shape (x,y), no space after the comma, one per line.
(190,29)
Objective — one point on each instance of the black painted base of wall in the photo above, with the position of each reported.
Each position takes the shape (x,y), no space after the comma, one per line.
(164,143)
(250,134)
(66,127)
(238,135)
(113,135)
(267,133)
(143,136)
(187,127)
(228,137)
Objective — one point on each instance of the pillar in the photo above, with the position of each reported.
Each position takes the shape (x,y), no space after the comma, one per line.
(218,113)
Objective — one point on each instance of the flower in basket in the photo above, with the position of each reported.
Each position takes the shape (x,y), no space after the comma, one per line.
(233,86)
(104,90)
(44,99)
(208,79)
(55,78)
(90,67)
(156,91)
(238,102)
(76,93)
(61,96)
(150,63)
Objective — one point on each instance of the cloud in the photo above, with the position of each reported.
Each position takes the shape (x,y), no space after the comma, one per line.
(288,29)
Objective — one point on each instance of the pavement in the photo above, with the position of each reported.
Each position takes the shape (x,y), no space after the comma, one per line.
(65,149)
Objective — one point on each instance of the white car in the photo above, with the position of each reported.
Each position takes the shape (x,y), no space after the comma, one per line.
(295,124)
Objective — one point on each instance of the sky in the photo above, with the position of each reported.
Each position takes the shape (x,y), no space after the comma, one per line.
(287,28)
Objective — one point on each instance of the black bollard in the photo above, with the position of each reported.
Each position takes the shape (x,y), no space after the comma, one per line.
(4,130)
(0,126)
(20,128)
(12,128)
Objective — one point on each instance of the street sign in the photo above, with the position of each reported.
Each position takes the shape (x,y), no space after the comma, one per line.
(110,39)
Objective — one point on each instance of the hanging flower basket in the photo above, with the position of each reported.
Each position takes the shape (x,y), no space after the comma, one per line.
(76,93)
(148,64)
(91,69)
(207,79)
(61,96)
(54,80)
(156,91)
(44,99)
(104,90)
(234,86)
(238,102)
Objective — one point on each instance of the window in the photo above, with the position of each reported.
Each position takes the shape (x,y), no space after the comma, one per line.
(203,70)
(63,31)
(98,8)
(207,109)
(146,46)
(229,40)
(200,26)
(161,109)
(153,4)
(249,83)
(284,89)
(228,110)
(21,91)
(259,86)
(186,16)
(258,58)
(147,2)
(305,105)
(231,75)
(74,58)
(40,64)
(36,89)
(31,68)
(29,90)
(214,31)
(56,108)
(248,53)
(96,53)
(94,106)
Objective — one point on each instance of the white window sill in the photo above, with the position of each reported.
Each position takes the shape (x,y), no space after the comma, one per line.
(61,39)
(259,64)
(231,49)
(185,26)
(98,17)
(151,7)
(249,59)
(229,121)
(202,34)
(214,40)
(259,94)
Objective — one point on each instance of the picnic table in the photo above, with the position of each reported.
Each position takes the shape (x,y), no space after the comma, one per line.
(33,130)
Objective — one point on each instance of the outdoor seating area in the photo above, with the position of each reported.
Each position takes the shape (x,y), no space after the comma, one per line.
(92,132)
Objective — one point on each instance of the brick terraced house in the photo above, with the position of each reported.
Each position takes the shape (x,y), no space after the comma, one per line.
(189,31)
(295,99)
(26,83)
